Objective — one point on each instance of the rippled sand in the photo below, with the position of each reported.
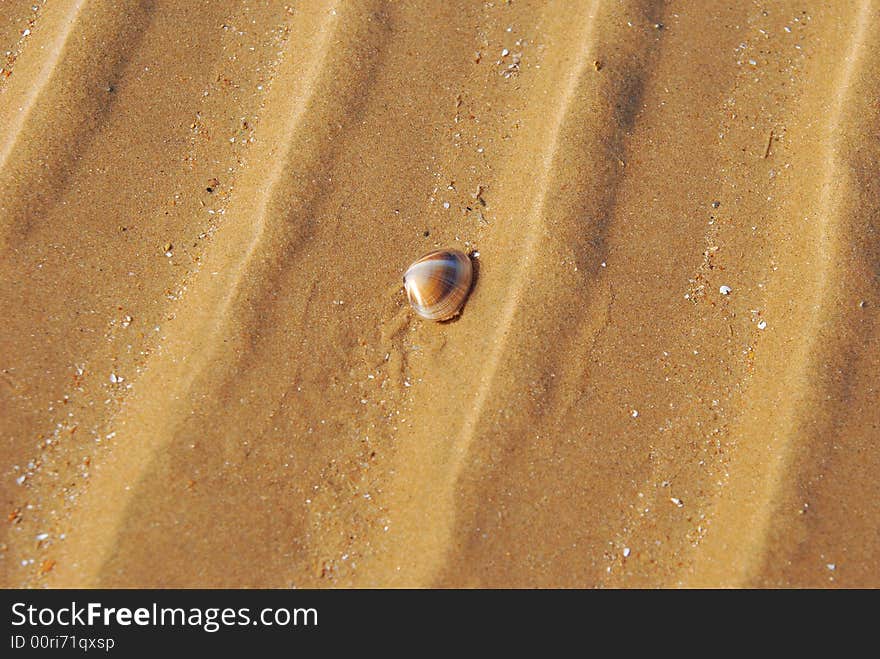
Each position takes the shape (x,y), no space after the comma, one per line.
(666,375)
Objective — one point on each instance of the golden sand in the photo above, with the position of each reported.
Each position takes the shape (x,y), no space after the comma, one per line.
(666,375)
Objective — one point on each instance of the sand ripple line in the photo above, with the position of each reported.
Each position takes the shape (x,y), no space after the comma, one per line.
(529,247)
(205,314)
(53,56)
(826,258)
(758,497)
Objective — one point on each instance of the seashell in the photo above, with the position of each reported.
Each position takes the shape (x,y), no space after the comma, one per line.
(438,283)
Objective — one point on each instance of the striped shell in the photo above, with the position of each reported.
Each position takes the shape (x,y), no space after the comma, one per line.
(438,283)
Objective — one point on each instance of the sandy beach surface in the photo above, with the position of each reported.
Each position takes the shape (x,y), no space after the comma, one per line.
(666,375)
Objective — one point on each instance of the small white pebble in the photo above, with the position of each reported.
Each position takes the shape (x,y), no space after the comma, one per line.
(725,290)
(505,52)
(762,324)
(678,502)
(635,414)
(626,552)
(42,536)
(831,566)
